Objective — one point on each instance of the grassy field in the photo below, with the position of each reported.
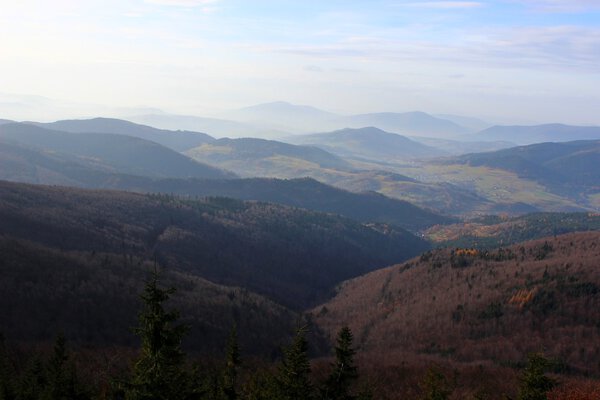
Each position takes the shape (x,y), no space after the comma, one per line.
(455,189)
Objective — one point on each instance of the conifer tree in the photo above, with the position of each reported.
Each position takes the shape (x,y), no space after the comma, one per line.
(293,378)
(262,385)
(232,363)
(344,373)
(61,380)
(534,383)
(33,381)
(7,391)
(159,372)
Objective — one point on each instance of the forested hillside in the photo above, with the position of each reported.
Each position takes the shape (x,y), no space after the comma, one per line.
(291,255)
(109,152)
(471,306)
(177,140)
(93,298)
(568,169)
(490,232)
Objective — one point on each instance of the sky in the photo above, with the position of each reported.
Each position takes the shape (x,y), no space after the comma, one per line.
(515,61)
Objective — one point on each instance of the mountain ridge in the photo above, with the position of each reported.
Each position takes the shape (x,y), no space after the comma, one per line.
(525,135)
(110,152)
(177,140)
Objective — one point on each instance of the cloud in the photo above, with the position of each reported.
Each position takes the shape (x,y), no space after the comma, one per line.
(444,4)
(567,6)
(566,48)
(182,3)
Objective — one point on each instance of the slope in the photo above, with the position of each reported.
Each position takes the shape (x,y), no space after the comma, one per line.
(176,140)
(283,116)
(257,157)
(110,152)
(410,123)
(495,231)
(21,164)
(214,126)
(305,193)
(539,133)
(293,256)
(368,143)
(92,297)
(472,306)
(571,169)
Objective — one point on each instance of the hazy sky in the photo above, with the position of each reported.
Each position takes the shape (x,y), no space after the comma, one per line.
(536,60)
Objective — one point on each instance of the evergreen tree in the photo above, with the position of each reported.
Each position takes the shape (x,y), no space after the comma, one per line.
(293,378)
(232,363)
(159,372)
(33,381)
(344,373)
(534,383)
(7,390)
(61,380)
(262,385)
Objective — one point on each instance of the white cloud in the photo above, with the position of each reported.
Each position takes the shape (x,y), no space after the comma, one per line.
(182,3)
(562,5)
(445,4)
(566,48)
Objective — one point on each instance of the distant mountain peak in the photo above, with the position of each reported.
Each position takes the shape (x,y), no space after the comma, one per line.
(365,129)
(368,142)
(283,106)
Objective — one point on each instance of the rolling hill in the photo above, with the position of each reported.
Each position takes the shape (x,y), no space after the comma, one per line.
(458,147)
(20,164)
(495,231)
(23,164)
(214,126)
(176,140)
(110,152)
(368,143)
(290,255)
(471,123)
(304,193)
(489,308)
(283,116)
(259,157)
(410,123)
(571,168)
(92,297)
(304,119)
(539,133)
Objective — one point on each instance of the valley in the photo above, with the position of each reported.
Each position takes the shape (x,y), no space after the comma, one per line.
(492,253)
(300,200)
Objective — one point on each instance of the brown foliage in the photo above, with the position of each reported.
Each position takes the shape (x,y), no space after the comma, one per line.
(576,390)
(543,294)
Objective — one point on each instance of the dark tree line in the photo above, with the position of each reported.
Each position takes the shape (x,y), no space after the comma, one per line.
(162,370)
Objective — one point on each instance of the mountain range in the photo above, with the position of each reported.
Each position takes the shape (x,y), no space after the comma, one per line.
(539,133)
(176,140)
(217,127)
(110,152)
(229,242)
(260,157)
(367,160)
(368,143)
